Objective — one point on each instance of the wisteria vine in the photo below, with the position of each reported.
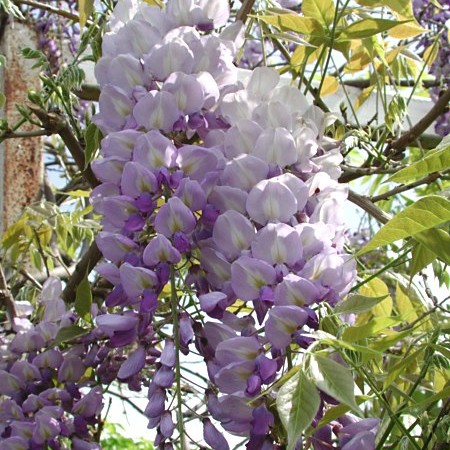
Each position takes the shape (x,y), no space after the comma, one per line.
(224,188)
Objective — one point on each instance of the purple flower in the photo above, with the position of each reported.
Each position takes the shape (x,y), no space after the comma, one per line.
(135,280)
(160,249)
(46,428)
(174,216)
(90,404)
(232,234)
(132,365)
(196,162)
(169,57)
(271,201)
(213,437)
(72,369)
(249,275)
(10,384)
(166,425)
(14,443)
(115,108)
(281,324)
(244,172)
(278,244)
(156,110)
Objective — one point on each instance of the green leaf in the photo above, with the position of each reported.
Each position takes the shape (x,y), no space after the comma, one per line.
(297,403)
(68,333)
(293,22)
(377,324)
(366,28)
(436,161)
(333,378)
(92,138)
(83,299)
(426,213)
(86,8)
(321,10)
(417,408)
(357,304)
(2,100)
(402,7)
(436,240)
(401,367)
(383,343)
(404,304)
(376,288)
(421,258)
(339,344)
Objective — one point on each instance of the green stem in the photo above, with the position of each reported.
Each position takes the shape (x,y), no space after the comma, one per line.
(379,272)
(381,398)
(423,372)
(176,336)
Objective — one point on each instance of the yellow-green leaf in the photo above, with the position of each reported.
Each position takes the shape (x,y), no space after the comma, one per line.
(83,300)
(322,10)
(354,304)
(430,53)
(401,367)
(365,94)
(406,30)
(426,213)
(330,86)
(405,306)
(79,193)
(422,256)
(68,333)
(85,8)
(367,27)
(402,7)
(377,288)
(435,161)
(372,328)
(293,22)
(436,240)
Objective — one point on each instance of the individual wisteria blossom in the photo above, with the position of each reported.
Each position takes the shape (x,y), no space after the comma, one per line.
(228,187)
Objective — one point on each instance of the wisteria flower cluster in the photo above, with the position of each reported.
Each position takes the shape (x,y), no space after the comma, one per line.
(231,186)
(209,186)
(47,396)
(55,33)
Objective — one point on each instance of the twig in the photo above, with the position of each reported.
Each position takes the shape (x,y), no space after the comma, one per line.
(52,9)
(406,187)
(365,171)
(367,205)
(396,147)
(85,266)
(6,298)
(246,7)
(127,400)
(55,123)
(365,83)
(9,134)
